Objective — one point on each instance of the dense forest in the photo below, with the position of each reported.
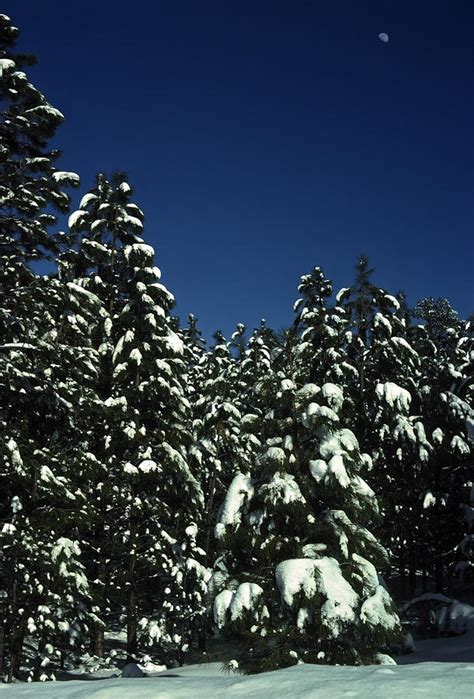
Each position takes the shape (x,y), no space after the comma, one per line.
(272,491)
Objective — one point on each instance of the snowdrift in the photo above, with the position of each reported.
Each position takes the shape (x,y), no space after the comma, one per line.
(304,681)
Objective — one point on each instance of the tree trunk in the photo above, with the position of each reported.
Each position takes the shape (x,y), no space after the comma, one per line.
(97,644)
(97,641)
(15,634)
(202,639)
(412,566)
(402,574)
(2,643)
(132,626)
(439,578)
(16,652)
(3,609)
(412,577)
(132,641)
(208,515)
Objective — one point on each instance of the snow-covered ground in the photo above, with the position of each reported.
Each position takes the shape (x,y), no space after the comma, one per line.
(439,668)
(432,680)
(458,649)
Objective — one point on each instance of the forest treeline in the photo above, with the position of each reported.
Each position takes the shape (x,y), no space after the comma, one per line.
(251,490)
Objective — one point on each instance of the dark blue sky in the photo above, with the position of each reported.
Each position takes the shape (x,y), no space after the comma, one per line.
(266,137)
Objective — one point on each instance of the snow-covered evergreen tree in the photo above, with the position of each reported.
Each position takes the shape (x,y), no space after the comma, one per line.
(323,331)
(446,348)
(47,382)
(144,490)
(401,477)
(45,366)
(389,422)
(298,581)
(227,412)
(255,374)
(373,340)
(217,449)
(30,184)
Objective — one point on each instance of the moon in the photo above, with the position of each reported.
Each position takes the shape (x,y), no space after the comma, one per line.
(383,37)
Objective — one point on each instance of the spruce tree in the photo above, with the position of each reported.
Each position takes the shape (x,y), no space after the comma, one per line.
(388,421)
(45,364)
(323,331)
(445,344)
(144,489)
(30,185)
(216,450)
(300,581)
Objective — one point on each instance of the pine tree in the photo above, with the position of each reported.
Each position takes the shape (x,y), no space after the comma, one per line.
(445,345)
(254,375)
(194,342)
(401,453)
(323,331)
(215,450)
(371,311)
(227,411)
(45,383)
(44,370)
(144,489)
(388,422)
(30,185)
(300,581)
